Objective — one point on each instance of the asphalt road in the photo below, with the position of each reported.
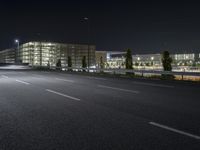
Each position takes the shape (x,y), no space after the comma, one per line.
(58,111)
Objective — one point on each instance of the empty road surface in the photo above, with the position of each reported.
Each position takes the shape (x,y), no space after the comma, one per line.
(60,111)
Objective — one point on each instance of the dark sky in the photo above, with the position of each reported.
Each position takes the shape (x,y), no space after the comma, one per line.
(143,26)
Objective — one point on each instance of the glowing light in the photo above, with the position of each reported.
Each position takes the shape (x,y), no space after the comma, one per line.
(86,18)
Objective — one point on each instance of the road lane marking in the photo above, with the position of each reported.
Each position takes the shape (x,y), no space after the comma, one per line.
(97,78)
(71,81)
(175,130)
(37,75)
(152,84)
(64,95)
(22,82)
(3,76)
(46,72)
(119,89)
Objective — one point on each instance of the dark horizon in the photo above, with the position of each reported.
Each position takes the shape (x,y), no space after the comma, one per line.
(144,27)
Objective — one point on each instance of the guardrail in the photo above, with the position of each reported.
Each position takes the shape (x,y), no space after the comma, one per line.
(125,71)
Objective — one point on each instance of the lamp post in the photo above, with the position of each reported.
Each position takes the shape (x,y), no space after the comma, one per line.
(17,42)
(152,59)
(88,21)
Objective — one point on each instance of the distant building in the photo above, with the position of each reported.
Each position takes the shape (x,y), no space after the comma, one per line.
(44,53)
(8,56)
(191,59)
(48,53)
(111,59)
(116,59)
(147,60)
(150,61)
(98,56)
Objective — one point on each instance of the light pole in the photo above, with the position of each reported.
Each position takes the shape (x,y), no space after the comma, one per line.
(17,42)
(88,21)
(152,63)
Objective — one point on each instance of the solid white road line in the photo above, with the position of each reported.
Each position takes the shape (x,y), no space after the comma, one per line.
(175,130)
(64,95)
(152,84)
(3,76)
(97,78)
(119,89)
(46,72)
(37,75)
(71,81)
(22,82)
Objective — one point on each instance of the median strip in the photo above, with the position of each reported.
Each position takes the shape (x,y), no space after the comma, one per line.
(175,130)
(26,83)
(64,95)
(118,89)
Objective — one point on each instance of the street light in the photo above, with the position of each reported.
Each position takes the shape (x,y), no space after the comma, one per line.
(87,19)
(152,63)
(17,42)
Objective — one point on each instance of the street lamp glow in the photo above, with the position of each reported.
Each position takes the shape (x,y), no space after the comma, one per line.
(17,55)
(88,22)
(86,18)
(152,58)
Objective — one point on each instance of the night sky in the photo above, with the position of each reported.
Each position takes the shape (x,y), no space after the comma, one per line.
(143,26)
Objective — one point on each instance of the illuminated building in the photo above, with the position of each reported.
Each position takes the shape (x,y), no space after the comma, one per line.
(100,56)
(149,61)
(48,53)
(8,56)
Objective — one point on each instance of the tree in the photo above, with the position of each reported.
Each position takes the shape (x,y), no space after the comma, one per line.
(101,63)
(136,64)
(84,64)
(194,64)
(58,64)
(166,61)
(123,64)
(152,63)
(147,64)
(129,62)
(48,65)
(107,65)
(69,62)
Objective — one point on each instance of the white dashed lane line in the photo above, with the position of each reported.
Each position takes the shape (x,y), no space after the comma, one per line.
(22,82)
(97,78)
(174,130)
(3,76)
(63,95)
(118,89)
(153,84)
(65,80)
